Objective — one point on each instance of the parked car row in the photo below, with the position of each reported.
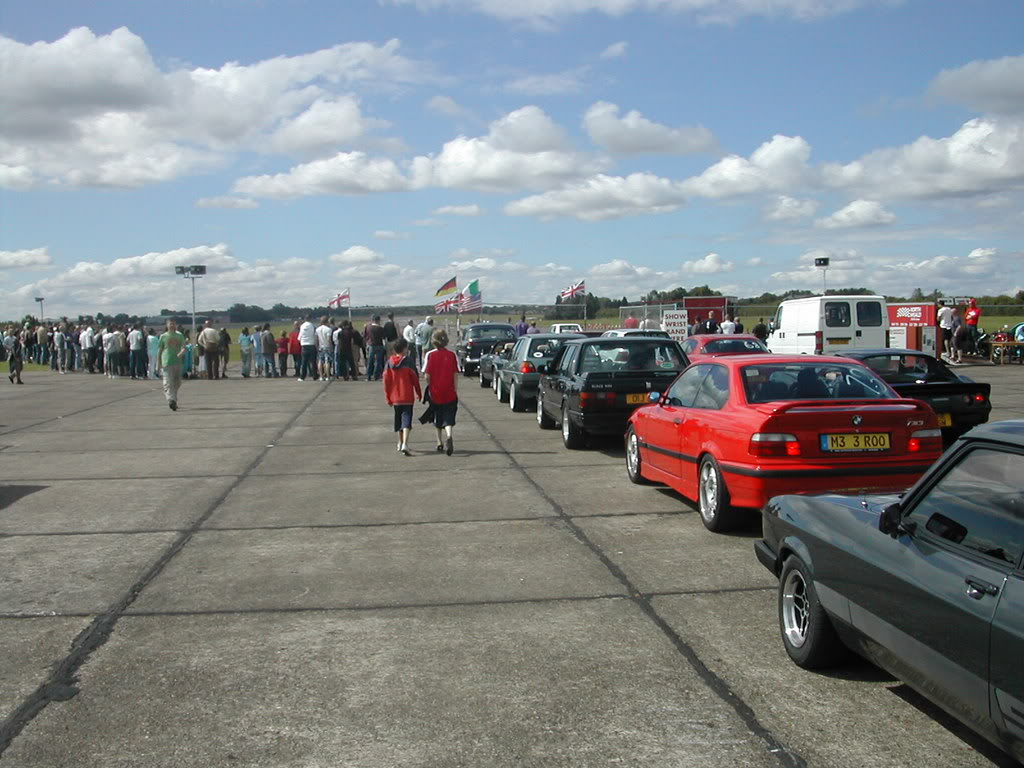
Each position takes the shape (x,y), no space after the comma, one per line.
(928,583)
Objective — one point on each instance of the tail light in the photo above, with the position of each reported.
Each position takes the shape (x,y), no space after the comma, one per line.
(774,444)
(979,398)
(596,399)
(819,345)
(527,367)
(925,439)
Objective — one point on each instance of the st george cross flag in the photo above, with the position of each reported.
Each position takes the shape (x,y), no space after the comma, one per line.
(450,287)
(472,299)
(343,299)
(449,303)
(574,290)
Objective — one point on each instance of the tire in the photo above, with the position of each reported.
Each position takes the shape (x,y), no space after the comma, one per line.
(573,437)
(501,391)
(717,514)
(495,378)
(807,632)
(515,398)
(543,420)
(634,463)
(484,382)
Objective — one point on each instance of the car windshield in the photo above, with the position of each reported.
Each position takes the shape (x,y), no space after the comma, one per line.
(490,333)
(766,383)
(734,347)
(544,348)
(908,369)
(639,356)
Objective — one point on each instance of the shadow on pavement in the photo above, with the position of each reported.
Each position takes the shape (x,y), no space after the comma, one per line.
(12,493)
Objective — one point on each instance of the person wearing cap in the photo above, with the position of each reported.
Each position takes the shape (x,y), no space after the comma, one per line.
(423,333)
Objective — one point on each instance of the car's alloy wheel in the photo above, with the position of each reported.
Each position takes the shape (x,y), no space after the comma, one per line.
(501,390)
(572,436)
(494,381)
(484,382)
(807,633)
(634,463)
(543,420)
(515,400)
(713,498)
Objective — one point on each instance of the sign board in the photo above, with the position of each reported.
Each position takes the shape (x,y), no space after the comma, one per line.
(898,337)
(676,322)
(912,315)
(821,261)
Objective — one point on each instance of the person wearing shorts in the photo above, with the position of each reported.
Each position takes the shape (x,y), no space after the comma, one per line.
(402,390)
(441,368)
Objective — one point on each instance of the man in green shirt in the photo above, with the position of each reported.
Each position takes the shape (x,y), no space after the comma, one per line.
(170,350)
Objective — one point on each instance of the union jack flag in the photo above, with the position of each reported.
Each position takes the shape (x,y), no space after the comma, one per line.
(574,290)
(448,304)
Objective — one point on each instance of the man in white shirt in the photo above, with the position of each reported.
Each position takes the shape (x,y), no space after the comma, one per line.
(325,348)
(136,341)
(728,325)
(87,339)
(60,348)
(409,334)
(945,318)
(209,340)
(307,340)
(647,324)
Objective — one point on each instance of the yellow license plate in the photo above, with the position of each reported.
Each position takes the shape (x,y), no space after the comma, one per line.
(838,341)
(945,420)
(869,441)
(640,397)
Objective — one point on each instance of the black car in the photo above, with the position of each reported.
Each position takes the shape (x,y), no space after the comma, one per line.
(481,339)
(958,401)
(593,385)
(929,586)
(514,372)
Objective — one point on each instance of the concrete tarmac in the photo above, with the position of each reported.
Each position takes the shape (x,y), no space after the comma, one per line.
(260,579)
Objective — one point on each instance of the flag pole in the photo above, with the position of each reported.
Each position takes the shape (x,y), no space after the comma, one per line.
(584,310)
(349,291)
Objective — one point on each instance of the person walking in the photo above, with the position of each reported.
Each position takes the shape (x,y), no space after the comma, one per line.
(269,345)
(283,345)
(390,334)
(245,352)
(402,390)
(307,340)
(15,355)
(373,336)
(209,341)
(170,348)
(224,346)
(441,367)
(409,334)
(423,333)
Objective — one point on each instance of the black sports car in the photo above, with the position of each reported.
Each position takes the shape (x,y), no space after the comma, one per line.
(929,586)
(958,401)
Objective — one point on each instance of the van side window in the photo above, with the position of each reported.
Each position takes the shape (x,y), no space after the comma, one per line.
(778,318)
(837,314)
(869,314)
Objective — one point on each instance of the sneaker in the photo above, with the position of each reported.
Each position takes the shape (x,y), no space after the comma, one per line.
(173,405)
(406,451)
(449,446)
(440,448)
(298,379)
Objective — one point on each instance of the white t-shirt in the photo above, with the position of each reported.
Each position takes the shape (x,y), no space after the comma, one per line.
(135,339)
(945,316)
(728,326)
(323,337)
(58,340)
(409,334)
(87,339)
(307,334)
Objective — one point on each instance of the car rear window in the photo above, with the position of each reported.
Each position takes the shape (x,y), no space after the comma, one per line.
(811,381)
(637,356)
(545,347)
(869,314)
(734,347)
(490,334)
(837,314)
(909,369)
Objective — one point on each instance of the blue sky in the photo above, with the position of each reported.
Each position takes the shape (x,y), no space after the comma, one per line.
(300,147)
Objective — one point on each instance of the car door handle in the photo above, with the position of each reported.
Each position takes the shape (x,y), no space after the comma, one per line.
(677,421)
(977,589)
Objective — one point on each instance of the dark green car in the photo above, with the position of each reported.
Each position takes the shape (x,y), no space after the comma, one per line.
(928,585)
(513,370)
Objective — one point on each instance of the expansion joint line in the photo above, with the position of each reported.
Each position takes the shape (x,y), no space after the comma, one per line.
(62,683)
(718,686)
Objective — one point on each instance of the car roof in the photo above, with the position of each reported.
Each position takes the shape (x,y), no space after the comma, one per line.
(616,339)
(491,325)
(765,358)
(550,336)
(858,353)
(1009,431)
(706,337)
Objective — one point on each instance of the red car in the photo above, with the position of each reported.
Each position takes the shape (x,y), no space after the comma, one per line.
(703,346)
(734,431)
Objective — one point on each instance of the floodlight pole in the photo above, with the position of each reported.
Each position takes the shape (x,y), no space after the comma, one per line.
(193,279)
(40,300)
(824,281)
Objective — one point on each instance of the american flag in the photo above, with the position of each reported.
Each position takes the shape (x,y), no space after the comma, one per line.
(449,303)
(343,299)
(574,290)
(472,303)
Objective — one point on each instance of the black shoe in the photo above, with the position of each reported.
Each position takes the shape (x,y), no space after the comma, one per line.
(449,446)
(440,448)
(173,405)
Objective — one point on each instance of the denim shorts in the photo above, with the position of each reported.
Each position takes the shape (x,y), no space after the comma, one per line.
(326,356)
(403,417)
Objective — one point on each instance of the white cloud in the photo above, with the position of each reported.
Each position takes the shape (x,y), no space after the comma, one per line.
(371,273)
(787,208)
(357,254)
(755,261)
(620,268)
(778,164)
(635,134)
(25,259)
(482,264)
(16,177)
(346,173)
(993,86)
(389,234)
(859,213)
(711,264)
(615,50)
(603,197)
(545,12)
(328,124)
(459,210)
(446,105)
(548,85)
(983,156)
(226,202)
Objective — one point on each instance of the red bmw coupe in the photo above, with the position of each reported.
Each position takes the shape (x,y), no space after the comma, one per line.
(732,432)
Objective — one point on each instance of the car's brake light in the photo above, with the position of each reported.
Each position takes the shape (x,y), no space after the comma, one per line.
(596,399)
(979,398)
(924,438)
(819,339)
(774,444)
(527,367)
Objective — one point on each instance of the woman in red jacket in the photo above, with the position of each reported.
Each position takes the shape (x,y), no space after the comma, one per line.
(402,390)
(283,345)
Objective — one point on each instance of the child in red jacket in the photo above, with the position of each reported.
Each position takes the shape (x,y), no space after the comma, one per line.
(402,390)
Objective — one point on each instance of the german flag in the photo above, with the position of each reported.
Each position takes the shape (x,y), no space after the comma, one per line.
(450,287)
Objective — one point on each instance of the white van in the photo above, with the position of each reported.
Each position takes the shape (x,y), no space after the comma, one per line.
(826,325)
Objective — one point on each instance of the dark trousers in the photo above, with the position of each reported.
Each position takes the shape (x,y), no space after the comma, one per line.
(374,362)
(137,363)
(297,363)
(307,370)
(347,364)
(282,362)
(90,359)
(212,355)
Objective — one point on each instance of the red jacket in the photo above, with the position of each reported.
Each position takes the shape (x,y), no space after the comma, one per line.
(401,382)
(294,348)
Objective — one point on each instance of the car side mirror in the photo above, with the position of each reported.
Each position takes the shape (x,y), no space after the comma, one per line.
(654,397)
(890,522)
